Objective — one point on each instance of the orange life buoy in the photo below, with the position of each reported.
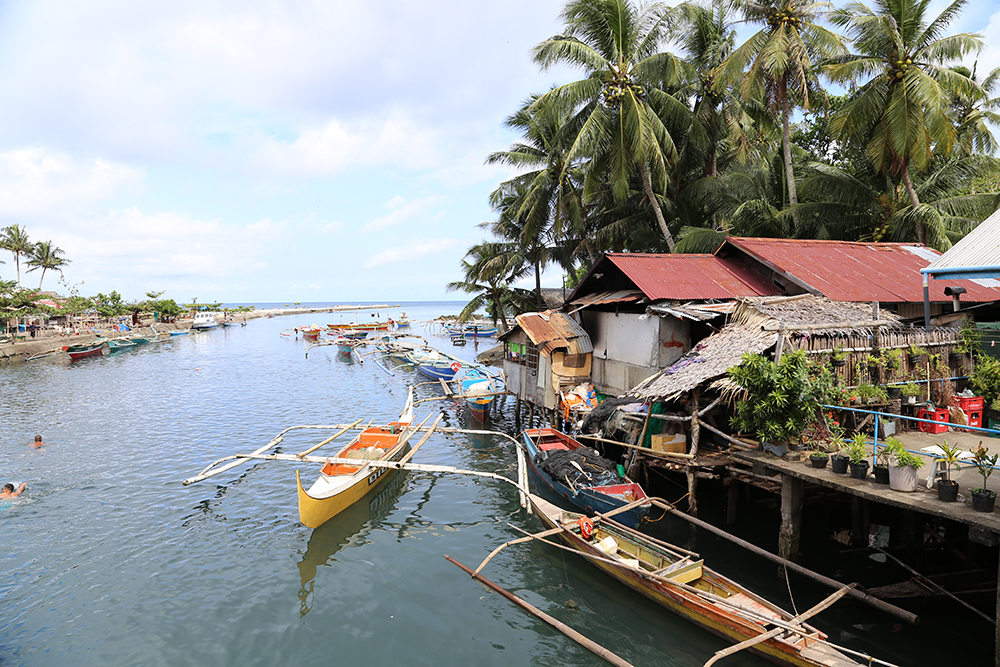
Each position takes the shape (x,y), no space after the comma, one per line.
(586,527)
(455,366)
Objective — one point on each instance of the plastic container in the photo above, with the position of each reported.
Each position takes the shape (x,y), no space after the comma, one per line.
(939,415)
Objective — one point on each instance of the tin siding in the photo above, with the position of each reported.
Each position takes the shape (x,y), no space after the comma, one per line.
(674,340)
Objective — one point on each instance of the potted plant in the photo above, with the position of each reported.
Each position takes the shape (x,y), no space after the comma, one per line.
(892,360)
(838,357)
(982,498)
(903,466)
(838,462)
(947,488)
(914,353)
(910,391)
(818,458)
(856,456)
(881,468)
(894,391)
(985,378)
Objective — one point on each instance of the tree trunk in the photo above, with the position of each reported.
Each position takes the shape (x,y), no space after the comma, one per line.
(498,304)
(786,145)
(40,281)
(538,285)
(647,185)
(914,202)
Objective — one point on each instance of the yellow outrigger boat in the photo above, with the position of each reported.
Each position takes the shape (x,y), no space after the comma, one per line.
(340,485)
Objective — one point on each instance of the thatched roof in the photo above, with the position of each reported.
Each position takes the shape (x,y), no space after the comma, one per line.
(709,359)
(807,312)
(755,325)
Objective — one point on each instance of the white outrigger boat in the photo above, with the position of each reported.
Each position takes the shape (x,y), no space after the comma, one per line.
(204,320)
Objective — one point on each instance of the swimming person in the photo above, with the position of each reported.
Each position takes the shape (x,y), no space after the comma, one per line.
(38,444)
(9,493)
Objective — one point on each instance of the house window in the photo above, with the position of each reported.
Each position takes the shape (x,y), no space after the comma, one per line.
(575,360)
(531,357)
(516,353)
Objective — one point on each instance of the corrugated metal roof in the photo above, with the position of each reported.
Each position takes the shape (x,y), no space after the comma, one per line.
(605,297)
(685,277)
(551,330)
(684,312)
(980,247)
(850,271)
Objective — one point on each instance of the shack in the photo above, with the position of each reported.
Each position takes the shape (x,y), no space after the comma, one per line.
(545,355)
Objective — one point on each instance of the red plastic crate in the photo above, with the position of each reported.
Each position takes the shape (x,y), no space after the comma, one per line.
(939,415)
(975,403)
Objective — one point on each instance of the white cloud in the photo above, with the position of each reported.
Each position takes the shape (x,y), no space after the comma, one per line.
(36,182)
(403,211)
(417,250)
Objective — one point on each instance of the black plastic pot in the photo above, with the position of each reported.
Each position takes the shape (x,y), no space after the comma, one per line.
(956,358)
(983,501)
(839,463)
(859,470)
(838,363)
(818,460)
(914,359)
(894,392)
(947,490)
(881,474)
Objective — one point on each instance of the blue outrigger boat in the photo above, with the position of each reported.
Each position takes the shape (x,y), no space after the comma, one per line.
(478,388)
(590,481)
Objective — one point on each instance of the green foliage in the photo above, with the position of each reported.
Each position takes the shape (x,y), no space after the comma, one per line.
(856,448)
(110,305)
(910,389)
(970,337)
(986,377)
(899,456)
(950,457)
(984,463)
(782,399)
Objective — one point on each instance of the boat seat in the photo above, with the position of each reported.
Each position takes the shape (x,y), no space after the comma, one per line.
(550,446)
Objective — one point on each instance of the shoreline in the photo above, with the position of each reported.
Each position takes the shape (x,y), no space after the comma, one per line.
(20,351)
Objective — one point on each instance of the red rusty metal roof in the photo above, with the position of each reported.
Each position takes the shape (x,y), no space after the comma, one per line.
(852,271)
(551,330)
(692,277)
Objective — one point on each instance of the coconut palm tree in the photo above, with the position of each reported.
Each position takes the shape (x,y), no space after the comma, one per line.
(973,115)
(551,189)
(624,117)
(15,239)
(900,112)
(487,270)
(778,63)
(46,256)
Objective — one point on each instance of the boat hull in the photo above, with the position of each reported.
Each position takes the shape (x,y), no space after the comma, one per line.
(688,605)
(84,351)
(592,500)
(478,407)
(345,489)
(437,371)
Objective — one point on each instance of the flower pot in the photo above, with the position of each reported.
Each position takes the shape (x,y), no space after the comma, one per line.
(983,501)
(838,363)
(859,470)
(914,359)
(894,392)
(839,463)
(947,490)
(911,400)
(903,478)
(881,474)
(818,460)
(956,358)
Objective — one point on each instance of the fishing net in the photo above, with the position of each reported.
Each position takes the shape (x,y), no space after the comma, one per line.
(582,467)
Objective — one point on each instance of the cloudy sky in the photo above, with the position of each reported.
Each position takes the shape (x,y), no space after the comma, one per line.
(277,150)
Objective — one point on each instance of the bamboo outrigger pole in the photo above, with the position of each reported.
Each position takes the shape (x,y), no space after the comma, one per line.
(589,644)
(330,439)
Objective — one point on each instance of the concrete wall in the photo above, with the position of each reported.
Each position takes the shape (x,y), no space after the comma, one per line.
(628,348)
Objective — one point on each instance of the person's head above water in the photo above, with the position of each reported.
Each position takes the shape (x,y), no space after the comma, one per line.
(38,438)
(8,488)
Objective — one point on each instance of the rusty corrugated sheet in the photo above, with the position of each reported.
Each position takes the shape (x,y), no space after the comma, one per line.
(691,277)
(551,330)
(850,271)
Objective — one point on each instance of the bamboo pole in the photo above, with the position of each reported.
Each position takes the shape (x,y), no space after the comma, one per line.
(590,645)
(409,454)
(795,567)
(520,540)
(330,439)
(736,648)
(644,450)
(937,587)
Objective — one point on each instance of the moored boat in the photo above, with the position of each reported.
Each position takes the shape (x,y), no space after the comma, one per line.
(678,580)
(311,332)
(340,485)
(179,332)
(139,340)
(478,388)
(95,349)
(119,344)
(473,330)
(204,320)
(581,475)
(362,326)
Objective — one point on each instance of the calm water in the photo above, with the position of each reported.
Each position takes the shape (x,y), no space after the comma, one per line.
(107,559)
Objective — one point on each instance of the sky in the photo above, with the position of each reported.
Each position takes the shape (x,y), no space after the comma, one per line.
(282,150)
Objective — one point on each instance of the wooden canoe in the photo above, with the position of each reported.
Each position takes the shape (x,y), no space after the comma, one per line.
(591,498)
(478,389)
(339,485)
(85,350)
(680,581)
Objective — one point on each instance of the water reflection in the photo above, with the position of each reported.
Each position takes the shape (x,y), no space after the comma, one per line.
(351,528)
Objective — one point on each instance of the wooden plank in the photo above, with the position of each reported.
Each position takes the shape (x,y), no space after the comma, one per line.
(444,385)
